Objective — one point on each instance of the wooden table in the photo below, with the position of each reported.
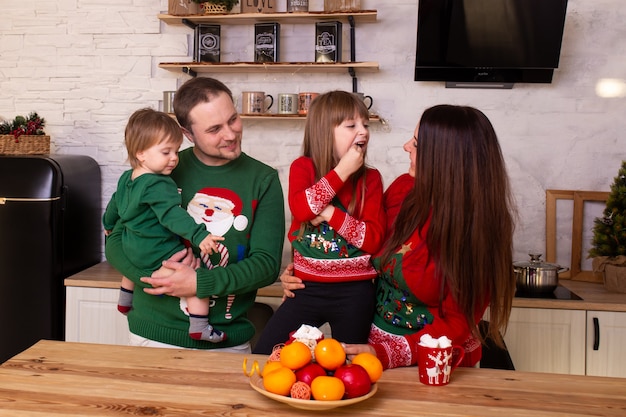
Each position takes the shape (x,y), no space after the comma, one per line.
(74,379)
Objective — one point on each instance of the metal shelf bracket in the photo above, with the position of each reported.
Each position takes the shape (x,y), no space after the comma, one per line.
(189,71)
(352,53)
(189,23)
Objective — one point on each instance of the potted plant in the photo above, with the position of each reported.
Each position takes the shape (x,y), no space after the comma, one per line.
(609,236)
(217,6)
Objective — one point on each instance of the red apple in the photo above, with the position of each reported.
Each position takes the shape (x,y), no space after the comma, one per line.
(309,372)
(355,378)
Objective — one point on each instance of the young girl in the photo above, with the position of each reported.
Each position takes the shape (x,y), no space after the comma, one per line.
(338,220)
(146,206)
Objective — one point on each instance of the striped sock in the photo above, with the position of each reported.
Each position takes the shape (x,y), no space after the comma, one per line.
(125,302)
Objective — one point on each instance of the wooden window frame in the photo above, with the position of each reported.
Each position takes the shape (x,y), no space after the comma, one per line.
(579,197)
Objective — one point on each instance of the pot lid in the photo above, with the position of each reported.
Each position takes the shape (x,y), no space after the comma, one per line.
(536,263)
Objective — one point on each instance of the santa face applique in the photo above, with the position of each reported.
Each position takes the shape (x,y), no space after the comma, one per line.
(219,209)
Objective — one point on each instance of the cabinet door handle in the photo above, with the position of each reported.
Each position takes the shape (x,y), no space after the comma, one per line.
(596,333)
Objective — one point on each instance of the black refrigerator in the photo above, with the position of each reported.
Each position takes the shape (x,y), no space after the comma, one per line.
(50,228)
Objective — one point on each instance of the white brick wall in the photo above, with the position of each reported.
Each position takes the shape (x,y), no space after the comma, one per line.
(86,65)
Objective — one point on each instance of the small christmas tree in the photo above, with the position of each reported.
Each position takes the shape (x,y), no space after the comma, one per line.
(609,231)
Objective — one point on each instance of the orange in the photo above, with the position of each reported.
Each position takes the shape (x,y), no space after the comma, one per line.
(295,355)
(270,366)
(371,363)
(327,388)
(279,381)
(330,354)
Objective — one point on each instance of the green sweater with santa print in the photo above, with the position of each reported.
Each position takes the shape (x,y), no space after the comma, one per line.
(242,201)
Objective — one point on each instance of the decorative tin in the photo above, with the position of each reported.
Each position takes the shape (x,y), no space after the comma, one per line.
(207,43)
(328,41)
(182,7)
(266,42)
(297,6)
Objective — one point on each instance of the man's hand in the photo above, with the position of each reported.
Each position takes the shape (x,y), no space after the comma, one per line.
(176,277)
(290,282)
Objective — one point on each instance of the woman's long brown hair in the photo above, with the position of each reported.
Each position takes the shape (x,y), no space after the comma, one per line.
(461,183)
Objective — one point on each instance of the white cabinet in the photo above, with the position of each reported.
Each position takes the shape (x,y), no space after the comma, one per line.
(547,340)
(575,342)
(606,338)
(92,316)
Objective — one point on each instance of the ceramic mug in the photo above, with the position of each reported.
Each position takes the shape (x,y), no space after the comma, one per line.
(365,100)
(255,102)
(435,364)
(304,102)
(287,103)
(168,101)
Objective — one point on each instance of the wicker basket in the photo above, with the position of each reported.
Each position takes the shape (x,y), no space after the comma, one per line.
(210,8)
(24,145)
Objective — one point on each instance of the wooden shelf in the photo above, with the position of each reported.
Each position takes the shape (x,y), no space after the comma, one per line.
(271,116)
(351,17)
(306,67)
(364,16)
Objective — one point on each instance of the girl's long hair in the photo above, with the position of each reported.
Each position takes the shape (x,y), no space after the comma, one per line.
(461,183)
(327,111)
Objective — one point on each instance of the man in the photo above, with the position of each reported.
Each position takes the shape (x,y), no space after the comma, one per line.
(237,197)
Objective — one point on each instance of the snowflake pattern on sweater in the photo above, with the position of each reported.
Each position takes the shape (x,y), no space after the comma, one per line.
(319,195)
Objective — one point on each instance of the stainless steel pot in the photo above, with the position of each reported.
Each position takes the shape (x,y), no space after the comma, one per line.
(536,276)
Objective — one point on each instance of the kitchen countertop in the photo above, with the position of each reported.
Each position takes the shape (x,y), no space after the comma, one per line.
(55,378)
(594,296)
(103,275)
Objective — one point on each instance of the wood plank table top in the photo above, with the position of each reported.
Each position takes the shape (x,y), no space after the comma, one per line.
(74,379)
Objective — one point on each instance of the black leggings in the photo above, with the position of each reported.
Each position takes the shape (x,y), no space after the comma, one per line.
(348,307)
